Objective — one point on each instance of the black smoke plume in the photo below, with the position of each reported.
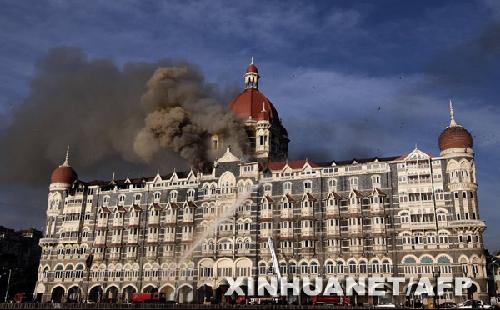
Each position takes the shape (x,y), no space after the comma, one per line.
(138,118)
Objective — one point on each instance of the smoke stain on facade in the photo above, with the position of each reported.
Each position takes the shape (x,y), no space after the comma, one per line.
(410,215)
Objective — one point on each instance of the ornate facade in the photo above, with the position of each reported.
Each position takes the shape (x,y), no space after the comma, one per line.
(183,233)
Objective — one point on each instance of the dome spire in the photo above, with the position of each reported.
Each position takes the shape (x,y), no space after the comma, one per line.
(66,160)
(453,123)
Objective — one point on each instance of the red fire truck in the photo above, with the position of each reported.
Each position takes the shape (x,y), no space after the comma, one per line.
(141,298)
(333,300)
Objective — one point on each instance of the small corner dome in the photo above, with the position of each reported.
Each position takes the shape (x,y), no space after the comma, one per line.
(64,173)
(455,137)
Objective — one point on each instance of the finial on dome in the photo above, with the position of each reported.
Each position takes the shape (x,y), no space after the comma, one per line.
(453,123)
(251,61)
(66,160)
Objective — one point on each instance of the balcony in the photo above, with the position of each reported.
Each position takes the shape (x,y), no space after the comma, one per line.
(116,239)
(168,254)
(466,223)
(286,251)
(100,240)
(378,228)
(356,249)
(169,238)
(333,250)
(152,238)
(118,222)
(44,241)
(265,233)
(154,220)
(187,217)
(307,232)
(102,222)
(332,212)
(133,221)
(171,218)
(355,229)
(266,214)
(132,239)
(286,233)
(354,209)
(333,231)
(376,208)
(307,212)
(187,237)
(287,213)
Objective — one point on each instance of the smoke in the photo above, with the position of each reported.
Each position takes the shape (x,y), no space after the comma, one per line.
(183,118)
(138,118)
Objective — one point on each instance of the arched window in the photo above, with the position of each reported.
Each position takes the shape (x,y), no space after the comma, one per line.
(375,266)
(340,267)
(426,263)
(410,265)
(304,268)
(137,199)
(283,268)
(157,196)
(287,188)
(262,268)
(352,267)
(386,266)
(59,272)
(444,264)
(329,267)
(314,268)
(362,267)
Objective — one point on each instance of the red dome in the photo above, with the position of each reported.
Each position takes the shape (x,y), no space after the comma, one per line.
(455,137)
(252,68)
(251,102)
(63,174)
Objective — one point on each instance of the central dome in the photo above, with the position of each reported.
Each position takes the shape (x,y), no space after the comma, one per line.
(250,103)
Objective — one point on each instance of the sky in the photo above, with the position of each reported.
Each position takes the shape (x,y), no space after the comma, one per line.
(349,78)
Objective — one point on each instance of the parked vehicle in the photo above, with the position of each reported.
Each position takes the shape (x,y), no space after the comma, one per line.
(333,300)
(448,305)
(140,298)
(473,304)
(258,300)
(385,306)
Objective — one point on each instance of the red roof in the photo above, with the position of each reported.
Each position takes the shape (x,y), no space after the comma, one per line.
(63,174)
(252,68)
(251,102)
(455,137)
(294,164)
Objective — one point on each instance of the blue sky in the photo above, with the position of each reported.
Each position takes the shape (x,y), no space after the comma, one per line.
(350,79)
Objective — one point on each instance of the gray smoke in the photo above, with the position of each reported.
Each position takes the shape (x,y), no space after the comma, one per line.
(183,118)
(137,118)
